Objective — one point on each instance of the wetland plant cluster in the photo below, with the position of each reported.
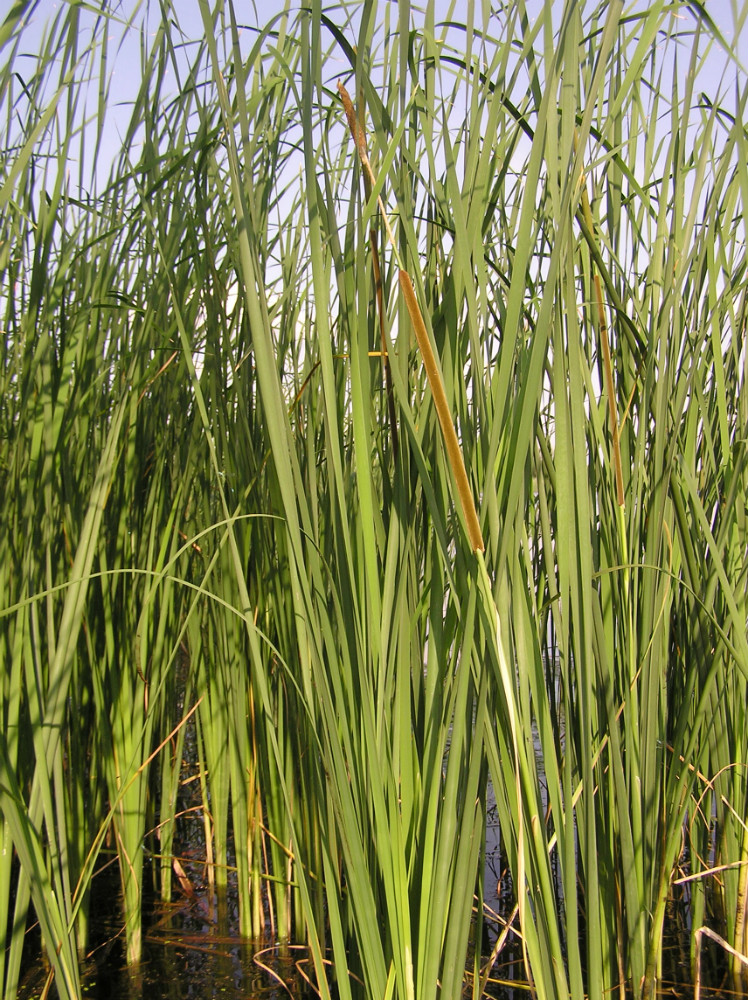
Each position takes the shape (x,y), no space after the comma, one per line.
(377,438)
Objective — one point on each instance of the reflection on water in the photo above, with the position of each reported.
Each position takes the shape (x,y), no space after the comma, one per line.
(192,950)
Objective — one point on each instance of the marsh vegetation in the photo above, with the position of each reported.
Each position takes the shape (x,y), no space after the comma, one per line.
(240,500)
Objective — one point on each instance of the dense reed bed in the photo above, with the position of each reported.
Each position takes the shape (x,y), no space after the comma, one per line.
(387,446)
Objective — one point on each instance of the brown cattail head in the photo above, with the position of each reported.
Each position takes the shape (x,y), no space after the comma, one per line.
(355,126)
(451,442)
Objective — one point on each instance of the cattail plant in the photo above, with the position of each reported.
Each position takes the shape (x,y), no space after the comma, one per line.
(376,421)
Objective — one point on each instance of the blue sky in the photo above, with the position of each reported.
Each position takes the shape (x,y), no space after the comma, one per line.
(125,43)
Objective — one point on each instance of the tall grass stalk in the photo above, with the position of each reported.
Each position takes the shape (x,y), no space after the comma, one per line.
(381,414)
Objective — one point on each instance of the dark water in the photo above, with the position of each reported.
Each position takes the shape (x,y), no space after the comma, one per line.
(192,950)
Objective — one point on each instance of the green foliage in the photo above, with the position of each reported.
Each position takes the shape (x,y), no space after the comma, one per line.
(397,449)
